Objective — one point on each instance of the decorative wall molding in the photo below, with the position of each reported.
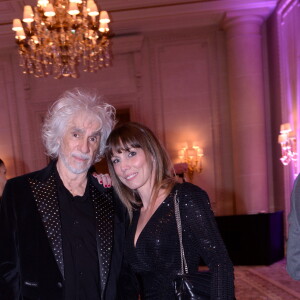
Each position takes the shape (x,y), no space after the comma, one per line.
(10,129)
(285,7)
(127,43)
(177,115)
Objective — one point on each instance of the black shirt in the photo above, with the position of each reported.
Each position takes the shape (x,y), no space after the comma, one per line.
(81,263)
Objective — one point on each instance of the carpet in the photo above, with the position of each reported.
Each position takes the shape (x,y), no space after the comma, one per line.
(265,283)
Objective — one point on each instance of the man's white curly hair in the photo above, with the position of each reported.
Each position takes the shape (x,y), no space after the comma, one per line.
(69,104)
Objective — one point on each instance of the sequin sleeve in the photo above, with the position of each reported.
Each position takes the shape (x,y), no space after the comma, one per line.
(202,239)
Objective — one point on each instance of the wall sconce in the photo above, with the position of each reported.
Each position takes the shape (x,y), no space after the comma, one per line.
(288,143)
(193,158)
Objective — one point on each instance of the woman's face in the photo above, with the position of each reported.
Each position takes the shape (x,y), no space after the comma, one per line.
(134,169)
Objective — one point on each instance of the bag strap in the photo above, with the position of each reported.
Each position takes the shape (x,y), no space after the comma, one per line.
(184,267)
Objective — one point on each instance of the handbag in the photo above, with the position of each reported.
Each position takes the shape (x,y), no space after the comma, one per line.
(189,286)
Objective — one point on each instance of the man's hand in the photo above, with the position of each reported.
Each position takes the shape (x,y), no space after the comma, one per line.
(103,179)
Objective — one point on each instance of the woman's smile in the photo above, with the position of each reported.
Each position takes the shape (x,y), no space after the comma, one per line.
(129,177)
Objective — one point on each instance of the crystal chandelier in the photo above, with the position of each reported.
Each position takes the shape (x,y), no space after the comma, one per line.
(55,36)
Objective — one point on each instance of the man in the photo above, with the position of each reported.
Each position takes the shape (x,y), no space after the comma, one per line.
(61,233)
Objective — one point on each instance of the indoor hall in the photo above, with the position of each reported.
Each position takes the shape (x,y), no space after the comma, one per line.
(217,81)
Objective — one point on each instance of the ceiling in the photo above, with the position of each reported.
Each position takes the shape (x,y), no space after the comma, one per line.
(137,16)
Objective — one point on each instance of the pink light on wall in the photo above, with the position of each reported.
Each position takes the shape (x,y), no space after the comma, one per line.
(288,143)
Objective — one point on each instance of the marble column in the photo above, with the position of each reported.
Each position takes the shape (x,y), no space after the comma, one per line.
(246,92)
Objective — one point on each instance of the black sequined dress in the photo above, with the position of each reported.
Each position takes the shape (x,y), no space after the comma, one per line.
(155,260)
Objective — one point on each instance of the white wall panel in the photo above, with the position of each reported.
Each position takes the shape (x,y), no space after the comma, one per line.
(188,103)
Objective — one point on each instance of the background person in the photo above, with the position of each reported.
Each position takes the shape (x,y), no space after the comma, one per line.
(293,242)
(61,233)
(143,178)
(2,177)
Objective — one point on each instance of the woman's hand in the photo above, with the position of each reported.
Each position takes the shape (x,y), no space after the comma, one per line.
(103,179)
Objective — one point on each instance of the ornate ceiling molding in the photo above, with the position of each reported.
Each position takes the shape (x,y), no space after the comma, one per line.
(137,16)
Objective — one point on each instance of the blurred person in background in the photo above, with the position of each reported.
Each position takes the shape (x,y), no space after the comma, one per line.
(2,177)
(293,242)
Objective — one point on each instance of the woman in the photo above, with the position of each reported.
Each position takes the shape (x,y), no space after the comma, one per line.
(143,178)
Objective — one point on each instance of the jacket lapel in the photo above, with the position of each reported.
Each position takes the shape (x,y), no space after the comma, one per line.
(45,195)
(104,211)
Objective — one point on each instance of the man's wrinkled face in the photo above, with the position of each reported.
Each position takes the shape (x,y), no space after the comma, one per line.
(80,143)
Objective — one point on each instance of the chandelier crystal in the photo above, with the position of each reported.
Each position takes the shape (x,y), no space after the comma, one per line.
(56,36)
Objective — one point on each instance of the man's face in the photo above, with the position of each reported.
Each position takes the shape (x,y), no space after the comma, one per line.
(80,143)
(2,178)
